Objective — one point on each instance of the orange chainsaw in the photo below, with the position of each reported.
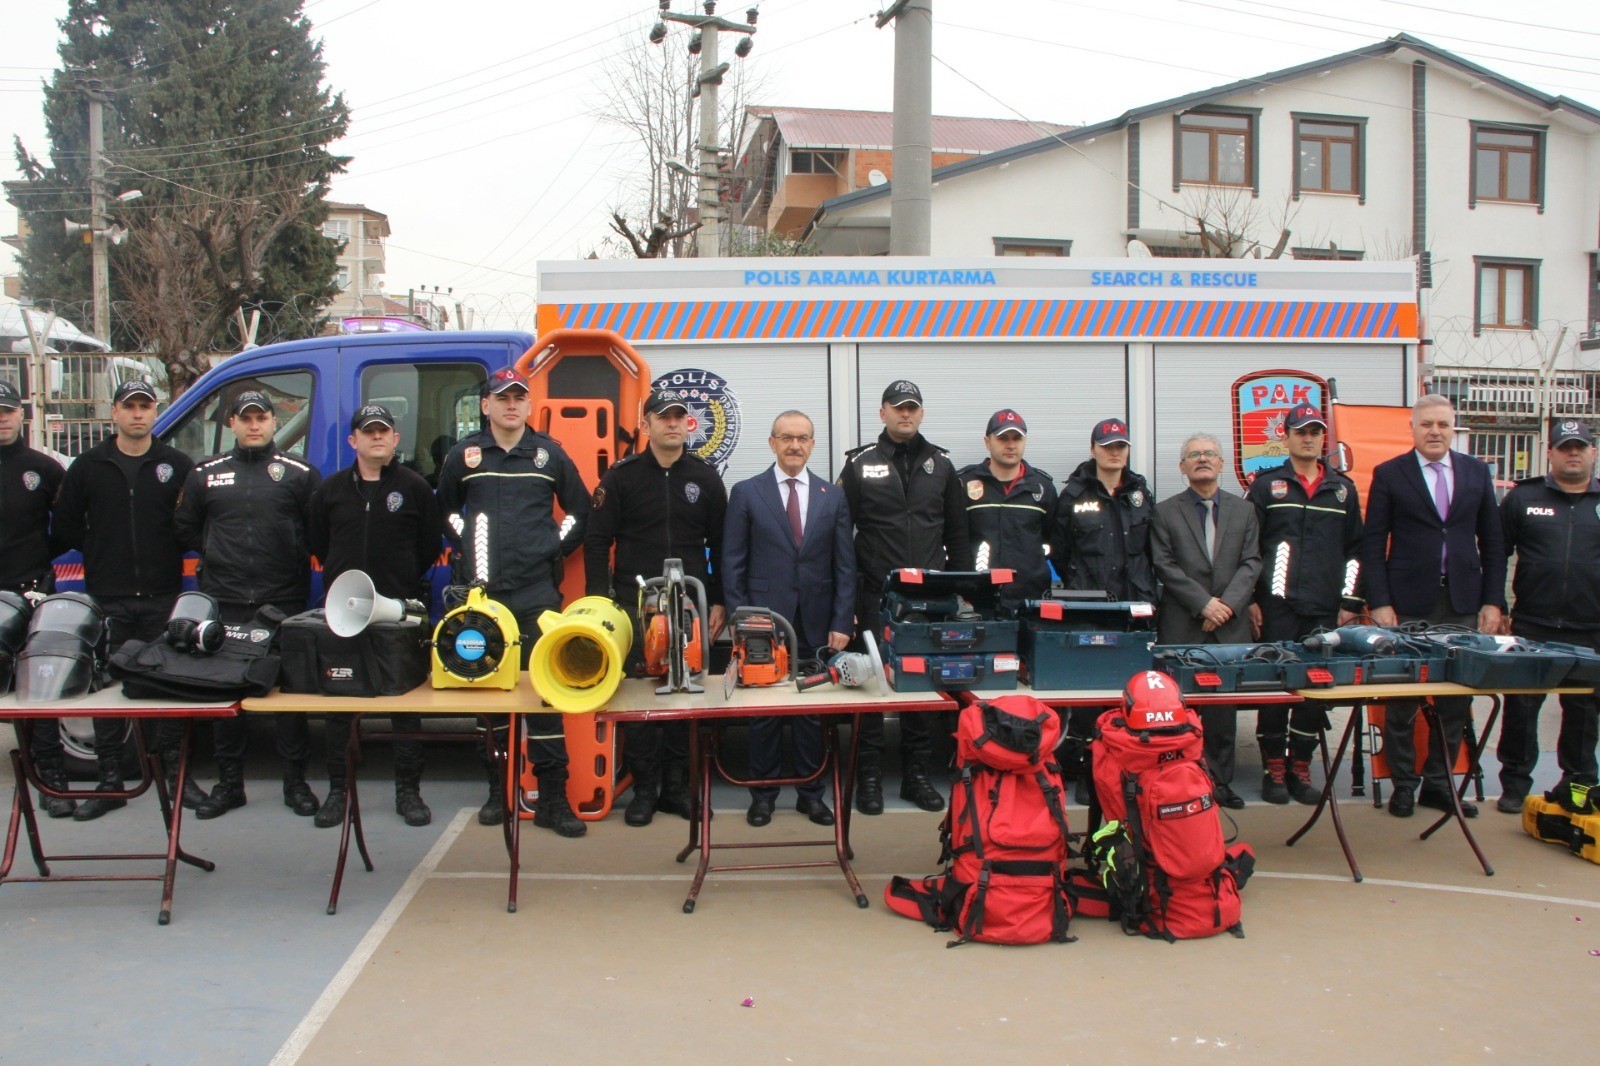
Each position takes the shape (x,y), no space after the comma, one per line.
(673,624)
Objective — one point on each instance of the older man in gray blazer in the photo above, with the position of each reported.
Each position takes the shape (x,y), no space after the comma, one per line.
(1205,545)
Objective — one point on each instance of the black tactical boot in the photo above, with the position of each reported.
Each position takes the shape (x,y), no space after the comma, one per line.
(331,813)
(110,781)
(493,811)
(915,786)
(297,795)
(227,794)
(193,794)
(869,784)
(408,800)
(675,798)
(1300,786)
(554,810)
(646,791)
(53,773)
(1273,775)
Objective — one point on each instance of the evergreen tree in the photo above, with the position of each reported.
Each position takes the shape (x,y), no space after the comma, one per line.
(216,110)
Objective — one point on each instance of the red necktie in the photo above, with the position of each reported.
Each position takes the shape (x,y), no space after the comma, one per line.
(794,510)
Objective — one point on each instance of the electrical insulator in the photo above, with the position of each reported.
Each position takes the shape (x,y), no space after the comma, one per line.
(694,45)
(742,49)
(750,16)
(658,33)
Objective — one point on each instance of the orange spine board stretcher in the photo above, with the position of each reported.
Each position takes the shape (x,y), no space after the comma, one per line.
(587,388)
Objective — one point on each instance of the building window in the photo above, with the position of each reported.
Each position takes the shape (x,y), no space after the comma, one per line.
(1507,164)
(1330,155)
(810,161)
(343,278)
(1031,246)
(337,229)
(1216,148)
(1508,293)
(1591,336)
(1340,255)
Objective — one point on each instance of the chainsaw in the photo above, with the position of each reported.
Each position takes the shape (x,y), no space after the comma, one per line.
(765,650)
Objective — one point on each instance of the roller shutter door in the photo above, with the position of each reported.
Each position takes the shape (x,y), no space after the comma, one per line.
(1193,383)
(765,380)
(1062,390)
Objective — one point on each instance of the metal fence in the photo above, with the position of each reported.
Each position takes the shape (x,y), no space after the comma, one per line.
(1518,397)
(67,397)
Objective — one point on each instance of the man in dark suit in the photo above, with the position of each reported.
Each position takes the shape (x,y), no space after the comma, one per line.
(786,546)
(1205,546)
(1432,551)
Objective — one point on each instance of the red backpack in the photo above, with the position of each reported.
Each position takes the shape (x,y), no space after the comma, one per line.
(1005,835)
(1161,853)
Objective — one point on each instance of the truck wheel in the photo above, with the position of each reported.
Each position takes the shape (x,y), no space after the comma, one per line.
(77,745)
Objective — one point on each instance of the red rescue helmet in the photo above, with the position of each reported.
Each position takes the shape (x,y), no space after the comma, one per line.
(1152,701)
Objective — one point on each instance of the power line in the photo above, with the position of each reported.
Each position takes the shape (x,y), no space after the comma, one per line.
(1493,18)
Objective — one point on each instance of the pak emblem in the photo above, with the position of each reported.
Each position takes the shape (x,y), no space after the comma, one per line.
(472,456)
(974,490)
(1280,490)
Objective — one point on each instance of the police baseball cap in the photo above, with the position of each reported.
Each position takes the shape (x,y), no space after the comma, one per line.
(1569,429)
(900,393)
(371,415)
(10,398)
(129,390)
(660,401)
(250,398)
(1006,420)
(505,378)
(1302,415)
(1109,431)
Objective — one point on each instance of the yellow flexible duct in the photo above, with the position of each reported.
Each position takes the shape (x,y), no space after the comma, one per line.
(577,661)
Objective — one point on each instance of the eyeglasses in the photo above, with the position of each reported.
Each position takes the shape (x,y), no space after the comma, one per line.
(1207,454)
(790,438)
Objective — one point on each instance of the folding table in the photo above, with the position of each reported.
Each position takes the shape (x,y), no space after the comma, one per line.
(424,699)
(107,703)
(636,701)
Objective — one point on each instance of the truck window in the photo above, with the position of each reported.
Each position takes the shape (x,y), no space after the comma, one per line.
(204,430)
(436,405)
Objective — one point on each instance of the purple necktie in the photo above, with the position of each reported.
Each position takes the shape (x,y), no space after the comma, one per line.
(1441,503)
(794,510)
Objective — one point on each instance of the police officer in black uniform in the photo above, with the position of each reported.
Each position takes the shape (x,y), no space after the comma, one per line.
(1010,506)
(1101,542)
(380,517)
(1310,576)
(910,511)
(1552,523)
(117,505)
(513,475)
(665,502)
(246,512)
(29,480)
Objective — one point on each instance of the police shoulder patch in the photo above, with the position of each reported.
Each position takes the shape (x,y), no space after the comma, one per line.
(600,496)
(472,456)
(691,492)
(974,489)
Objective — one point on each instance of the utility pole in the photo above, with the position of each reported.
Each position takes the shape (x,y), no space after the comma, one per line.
(100,255)
(708,239)
(911,194)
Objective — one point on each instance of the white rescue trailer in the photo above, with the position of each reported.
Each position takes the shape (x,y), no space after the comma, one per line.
(1067,342)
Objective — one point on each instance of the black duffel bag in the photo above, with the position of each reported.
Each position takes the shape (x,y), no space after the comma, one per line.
(385,659)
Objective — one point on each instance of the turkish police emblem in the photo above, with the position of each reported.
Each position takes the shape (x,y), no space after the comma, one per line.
(1136,497)
(393,501)
(540,458)
(164,473)
(927,467)
(600,496)
(1569,427)
(974,489)
(1341,493)
(259,635)
(691,492)
(714,415)
(30,480)
(1038,494)
(275,471)
(1280,490)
